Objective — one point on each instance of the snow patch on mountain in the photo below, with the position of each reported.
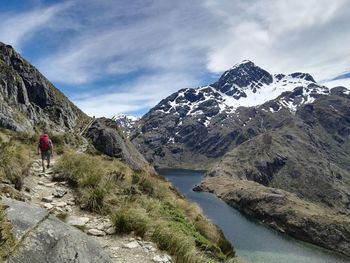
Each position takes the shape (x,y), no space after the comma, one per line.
(125,122)
(300,96)
(191,101)
(122,116)
(244,85)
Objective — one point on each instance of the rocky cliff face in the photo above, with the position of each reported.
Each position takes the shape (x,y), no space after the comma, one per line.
(195,127)
(28,99)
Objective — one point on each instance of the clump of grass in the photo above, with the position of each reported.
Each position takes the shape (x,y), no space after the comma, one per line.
(92,176)
(80,170)
(7,240)
(128,219)
(15,160)
(145,205)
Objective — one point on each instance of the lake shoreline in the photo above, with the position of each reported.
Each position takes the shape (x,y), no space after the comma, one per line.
(253,241)
(284,212)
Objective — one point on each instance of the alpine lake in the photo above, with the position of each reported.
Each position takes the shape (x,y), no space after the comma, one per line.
(253,242)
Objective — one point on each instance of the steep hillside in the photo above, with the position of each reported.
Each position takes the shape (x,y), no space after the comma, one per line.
(195,127)
(307,154)
(29,100)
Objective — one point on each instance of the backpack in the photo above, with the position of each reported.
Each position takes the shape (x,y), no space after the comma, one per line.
(44,143)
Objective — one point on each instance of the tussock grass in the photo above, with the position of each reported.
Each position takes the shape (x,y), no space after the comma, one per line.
(145,205)
(15,160)
(7,240)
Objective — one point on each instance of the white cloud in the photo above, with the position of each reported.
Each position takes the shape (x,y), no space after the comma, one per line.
(137,96)
(16,28)
(164,37)
(163,46)
(336,83)
(285,36)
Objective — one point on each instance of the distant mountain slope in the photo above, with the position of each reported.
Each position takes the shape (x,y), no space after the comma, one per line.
(195,127)
(28,99)
(125,122)
(307,154)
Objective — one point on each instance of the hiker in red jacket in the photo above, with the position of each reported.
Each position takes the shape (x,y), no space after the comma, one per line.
(45,147)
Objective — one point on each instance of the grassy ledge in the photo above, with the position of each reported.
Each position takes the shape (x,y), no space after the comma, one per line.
(145,205)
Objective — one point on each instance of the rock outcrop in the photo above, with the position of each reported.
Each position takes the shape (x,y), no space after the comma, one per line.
(28,99)
(107,137)
(41,237)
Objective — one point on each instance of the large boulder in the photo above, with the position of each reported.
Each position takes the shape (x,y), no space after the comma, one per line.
(41,237)
(109,139)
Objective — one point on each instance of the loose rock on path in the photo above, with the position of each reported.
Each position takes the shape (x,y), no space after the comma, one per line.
(59,199)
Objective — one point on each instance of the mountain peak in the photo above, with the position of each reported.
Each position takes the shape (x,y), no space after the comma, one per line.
(244,63)
(125,122)
(242,76)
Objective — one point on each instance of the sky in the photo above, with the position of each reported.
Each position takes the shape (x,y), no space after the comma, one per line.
(124,56)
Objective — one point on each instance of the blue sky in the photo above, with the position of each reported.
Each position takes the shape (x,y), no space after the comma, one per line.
(124,56)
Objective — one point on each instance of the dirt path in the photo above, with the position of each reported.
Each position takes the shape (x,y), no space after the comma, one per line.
(59,199)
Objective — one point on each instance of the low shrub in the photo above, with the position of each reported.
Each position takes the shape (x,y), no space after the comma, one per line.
(92,176)
(15,160)
(128,219)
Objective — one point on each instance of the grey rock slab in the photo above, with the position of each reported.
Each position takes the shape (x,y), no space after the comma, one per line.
(54,241)
(22,216)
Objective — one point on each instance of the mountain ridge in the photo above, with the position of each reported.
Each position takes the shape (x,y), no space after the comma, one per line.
(194,121)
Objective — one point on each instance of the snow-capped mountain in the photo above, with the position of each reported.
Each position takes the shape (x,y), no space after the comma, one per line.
(246,85)
(202,124)
(125,122)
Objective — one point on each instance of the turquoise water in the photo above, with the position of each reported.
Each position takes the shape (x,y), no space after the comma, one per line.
(252,241)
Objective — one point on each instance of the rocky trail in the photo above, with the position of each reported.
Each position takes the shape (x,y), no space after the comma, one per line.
(41,189)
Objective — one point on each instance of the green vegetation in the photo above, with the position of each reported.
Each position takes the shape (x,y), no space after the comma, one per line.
(15,160)
(7,240)
(145,205)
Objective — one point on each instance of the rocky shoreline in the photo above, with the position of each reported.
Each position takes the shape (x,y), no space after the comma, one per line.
(284,212)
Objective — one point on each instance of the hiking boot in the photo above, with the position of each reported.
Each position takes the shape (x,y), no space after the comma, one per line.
(48,166)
